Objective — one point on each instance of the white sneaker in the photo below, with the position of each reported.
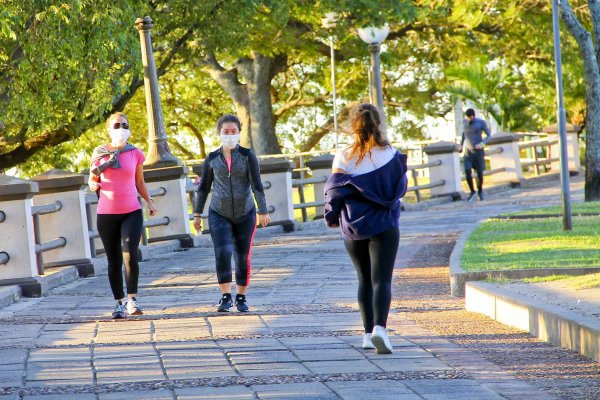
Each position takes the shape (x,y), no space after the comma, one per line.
(133,308)
(380,339)
(367,344)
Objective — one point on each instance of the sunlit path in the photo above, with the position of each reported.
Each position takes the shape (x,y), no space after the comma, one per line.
(303,336)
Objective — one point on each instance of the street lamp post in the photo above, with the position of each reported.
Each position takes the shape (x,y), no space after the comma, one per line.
(562,122)
(159,154)
(329,22)
(373,36)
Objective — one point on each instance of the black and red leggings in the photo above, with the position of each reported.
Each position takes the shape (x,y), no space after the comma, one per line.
(232,238)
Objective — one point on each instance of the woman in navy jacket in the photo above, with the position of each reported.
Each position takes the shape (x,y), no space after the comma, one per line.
(362,197)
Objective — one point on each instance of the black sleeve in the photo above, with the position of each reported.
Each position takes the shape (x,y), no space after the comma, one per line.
(256,183)
(206,181)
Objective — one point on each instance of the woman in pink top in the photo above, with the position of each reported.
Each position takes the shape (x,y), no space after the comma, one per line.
(117,175)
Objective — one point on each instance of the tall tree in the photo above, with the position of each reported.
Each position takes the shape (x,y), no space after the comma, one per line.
(589,48)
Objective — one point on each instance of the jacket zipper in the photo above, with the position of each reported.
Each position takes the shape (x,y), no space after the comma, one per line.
(230,185)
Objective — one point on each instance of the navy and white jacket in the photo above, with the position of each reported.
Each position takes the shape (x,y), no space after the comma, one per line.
(367,204)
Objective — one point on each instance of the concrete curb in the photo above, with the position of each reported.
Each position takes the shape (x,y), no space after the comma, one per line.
(560,327)
(458,276)
(9,295)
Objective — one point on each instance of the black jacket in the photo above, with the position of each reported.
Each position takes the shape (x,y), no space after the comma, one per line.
(232,193)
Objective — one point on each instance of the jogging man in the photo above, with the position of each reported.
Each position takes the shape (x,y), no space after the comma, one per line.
(474,156)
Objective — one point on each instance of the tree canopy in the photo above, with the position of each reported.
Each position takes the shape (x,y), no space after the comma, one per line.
(64,68)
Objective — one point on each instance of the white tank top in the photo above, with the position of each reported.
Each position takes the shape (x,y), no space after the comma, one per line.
(378,157)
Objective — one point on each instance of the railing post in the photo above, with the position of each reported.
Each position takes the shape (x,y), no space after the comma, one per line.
(301,196)
(572,148)
(321,168)
(278,173)
(504,149)
(16,234)
(197,168)
(448,171)
(173,204)
(70,222)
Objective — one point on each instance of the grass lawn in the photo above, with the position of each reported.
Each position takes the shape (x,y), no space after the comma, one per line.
(534,243)
(576,208)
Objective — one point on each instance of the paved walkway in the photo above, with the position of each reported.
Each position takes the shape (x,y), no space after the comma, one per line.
(301,340)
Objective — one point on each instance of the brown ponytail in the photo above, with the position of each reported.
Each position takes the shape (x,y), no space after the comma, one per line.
(365,123)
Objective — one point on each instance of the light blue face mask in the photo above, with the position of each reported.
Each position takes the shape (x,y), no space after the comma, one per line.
(230,141)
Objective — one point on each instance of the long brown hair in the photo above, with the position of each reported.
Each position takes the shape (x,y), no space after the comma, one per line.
(365,130)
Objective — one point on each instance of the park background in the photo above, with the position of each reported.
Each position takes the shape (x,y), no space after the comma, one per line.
(66,65)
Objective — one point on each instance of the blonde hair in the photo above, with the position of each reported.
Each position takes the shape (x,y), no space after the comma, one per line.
(114,116)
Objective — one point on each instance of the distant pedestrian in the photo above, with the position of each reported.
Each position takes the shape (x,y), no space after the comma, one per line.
(233,175)
(117,175)
(474,157)
(362,197)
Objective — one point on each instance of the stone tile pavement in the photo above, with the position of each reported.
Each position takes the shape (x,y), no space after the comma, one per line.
(301,339)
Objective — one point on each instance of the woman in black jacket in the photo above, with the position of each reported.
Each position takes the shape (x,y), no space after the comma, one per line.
(233,175)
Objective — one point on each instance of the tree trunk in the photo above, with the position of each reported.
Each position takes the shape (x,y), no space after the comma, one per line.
(258,73)
(592,91)
(229,82)
(243,112)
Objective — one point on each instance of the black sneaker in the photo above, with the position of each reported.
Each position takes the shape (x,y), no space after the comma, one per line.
(225,303)
(480,196)
(240,303)
(471,196)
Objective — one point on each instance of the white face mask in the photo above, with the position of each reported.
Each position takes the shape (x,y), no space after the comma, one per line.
(119,137)
(230,141)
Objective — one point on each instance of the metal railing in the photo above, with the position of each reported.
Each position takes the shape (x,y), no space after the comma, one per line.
(154,222)
(416,187)
(91,199)
(537,162)
(39,246)
(4,257)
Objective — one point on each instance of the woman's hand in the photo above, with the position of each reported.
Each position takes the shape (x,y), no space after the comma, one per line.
(93,185)
(264,219)
(151,208)
(197,224)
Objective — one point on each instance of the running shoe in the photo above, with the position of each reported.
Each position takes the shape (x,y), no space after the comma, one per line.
(480,196)
(225,303)
(240,303)
(367,343)
(133,307)
(380,339)
(119,312)
(471,196)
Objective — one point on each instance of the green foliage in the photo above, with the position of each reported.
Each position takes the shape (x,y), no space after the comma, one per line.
(69,62)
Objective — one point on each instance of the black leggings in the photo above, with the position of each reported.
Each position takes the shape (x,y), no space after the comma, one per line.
(374,261)
(232,238)
(115,229)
